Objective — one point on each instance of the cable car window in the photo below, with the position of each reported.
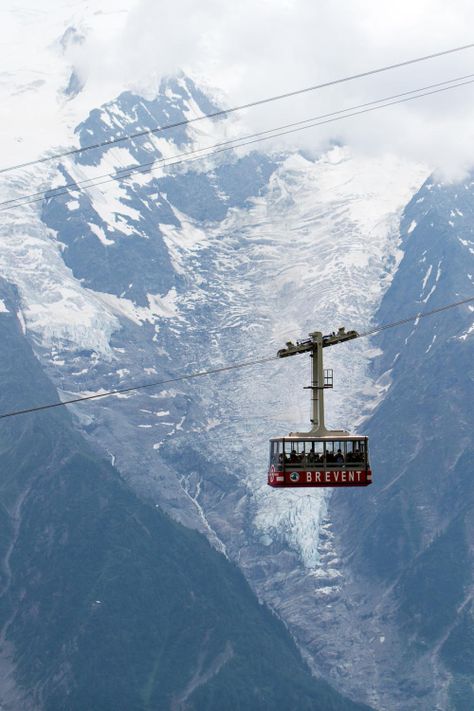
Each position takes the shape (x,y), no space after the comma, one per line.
(294,456)
(356,451)
(316,455)
(329,452)
(351,447)
(339,452)
(335,452)
(318,448)
(361,450)
(274,452)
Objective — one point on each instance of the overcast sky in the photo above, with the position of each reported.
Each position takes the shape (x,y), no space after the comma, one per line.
(255,48)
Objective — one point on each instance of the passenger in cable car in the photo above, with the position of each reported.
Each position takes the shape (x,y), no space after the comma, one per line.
(293,457)
(339,457)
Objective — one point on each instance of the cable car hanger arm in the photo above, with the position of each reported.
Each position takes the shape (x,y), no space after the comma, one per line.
(309,344)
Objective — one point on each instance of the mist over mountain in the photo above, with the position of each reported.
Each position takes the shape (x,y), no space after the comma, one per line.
(109,600)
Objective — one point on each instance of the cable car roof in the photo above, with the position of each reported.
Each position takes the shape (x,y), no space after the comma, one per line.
(329,437)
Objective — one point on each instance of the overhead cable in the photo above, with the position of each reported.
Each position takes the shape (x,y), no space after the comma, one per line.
(120,391)
(231,144)
(241,107)
(214,371)
(422,314)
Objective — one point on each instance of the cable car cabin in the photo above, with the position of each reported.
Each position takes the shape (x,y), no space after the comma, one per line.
(297,461)
(320,457)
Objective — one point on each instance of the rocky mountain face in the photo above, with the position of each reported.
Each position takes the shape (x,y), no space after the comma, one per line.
(190,267)
(407,546)
(106,603)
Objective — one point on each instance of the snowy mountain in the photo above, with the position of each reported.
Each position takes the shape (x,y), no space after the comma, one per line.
(199,265)
(105,602)
(410,567)
(198,269)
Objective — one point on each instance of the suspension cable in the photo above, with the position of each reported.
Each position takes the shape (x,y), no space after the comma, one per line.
(187,157)
(224,112)
(214,371)
(422,314)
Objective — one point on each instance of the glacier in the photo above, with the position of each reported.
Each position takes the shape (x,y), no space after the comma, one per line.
(191,269)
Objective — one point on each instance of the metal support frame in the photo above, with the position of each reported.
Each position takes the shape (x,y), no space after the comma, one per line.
(314,346)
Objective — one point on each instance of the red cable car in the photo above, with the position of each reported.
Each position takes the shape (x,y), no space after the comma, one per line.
(320,457)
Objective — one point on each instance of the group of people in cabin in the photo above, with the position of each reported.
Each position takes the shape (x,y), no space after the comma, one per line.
(312,458)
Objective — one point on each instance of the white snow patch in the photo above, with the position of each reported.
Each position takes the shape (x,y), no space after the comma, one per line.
(427,276)
(163,306)
(159,307)
(431,344)
(181,240)
(467,243)
(194,497)
(100,234)
(428,295)
(22,321)
(108,197)
(55,305)
(467,333)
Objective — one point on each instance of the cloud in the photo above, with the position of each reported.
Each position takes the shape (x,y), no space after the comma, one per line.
(256,48)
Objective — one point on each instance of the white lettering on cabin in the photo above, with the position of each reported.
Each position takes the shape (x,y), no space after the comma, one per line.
(334,477)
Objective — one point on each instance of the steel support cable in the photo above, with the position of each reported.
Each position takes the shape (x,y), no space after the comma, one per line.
(162,162)
(214,371)
(120,391)
(231,144)
(422,314)
(250,104)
